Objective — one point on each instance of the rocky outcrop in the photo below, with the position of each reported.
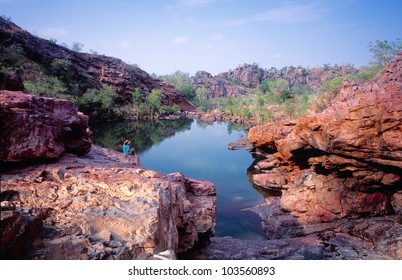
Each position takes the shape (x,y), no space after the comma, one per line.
(338,170)
(88,202)
(90,70)
(40,128)
(100,206)
(240,80)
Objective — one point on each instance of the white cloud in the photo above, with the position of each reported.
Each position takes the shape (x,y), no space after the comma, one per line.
(53,32)
(196,3)
(180,40)
(125,44)
(291,13)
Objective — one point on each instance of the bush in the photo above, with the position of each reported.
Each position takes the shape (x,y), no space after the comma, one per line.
(49,86)
(170,109)
(368,73)
(99,100)
(12,58)
(335,84)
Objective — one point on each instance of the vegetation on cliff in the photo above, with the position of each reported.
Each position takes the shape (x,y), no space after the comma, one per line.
(103,87)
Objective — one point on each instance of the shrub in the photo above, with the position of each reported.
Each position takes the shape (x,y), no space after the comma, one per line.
(100,100)
(334,85)
(49,86)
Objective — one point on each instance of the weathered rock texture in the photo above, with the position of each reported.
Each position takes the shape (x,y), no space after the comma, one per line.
(100,206)
(40,128)
(337,166)
(91,69)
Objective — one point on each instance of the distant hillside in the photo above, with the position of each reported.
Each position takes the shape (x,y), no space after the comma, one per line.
(36,58)
(248,76)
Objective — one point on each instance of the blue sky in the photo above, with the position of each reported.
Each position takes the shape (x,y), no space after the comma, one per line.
(215,35)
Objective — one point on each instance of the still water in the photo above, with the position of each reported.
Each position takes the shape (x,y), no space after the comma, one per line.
(199,151)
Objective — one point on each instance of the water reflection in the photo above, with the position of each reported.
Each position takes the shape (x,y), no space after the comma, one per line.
(198,150)
(142,134)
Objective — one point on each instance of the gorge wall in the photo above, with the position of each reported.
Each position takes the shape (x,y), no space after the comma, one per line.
(91,70)
(339,172)
(332,180)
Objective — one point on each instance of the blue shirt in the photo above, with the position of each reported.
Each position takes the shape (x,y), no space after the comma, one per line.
(126,149)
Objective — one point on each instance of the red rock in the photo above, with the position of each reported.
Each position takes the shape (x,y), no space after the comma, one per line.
(265,136)
(100,207)
(38,127)
(341,163)
(271,180)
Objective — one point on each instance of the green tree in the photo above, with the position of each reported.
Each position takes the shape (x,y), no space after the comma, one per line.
(100,100)
(188,91)
(77,47)
(182,82)
(201,96)
(383,51)
(154,102)
(106,95)
(137,96)
(62,68)
(278,87)
(334,85)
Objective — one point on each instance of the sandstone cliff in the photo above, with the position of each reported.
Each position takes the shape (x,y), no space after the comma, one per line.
(339,172)
(89,70)
(63,198)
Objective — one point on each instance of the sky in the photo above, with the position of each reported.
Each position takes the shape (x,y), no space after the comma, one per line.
(162,37)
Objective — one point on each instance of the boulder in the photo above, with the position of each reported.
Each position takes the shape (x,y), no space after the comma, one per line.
(35,127)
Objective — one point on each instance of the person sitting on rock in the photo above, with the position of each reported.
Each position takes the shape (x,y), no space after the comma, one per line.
(126,147)
(136,160)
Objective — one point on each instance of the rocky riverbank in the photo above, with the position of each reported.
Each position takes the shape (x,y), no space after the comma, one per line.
(339,178)
(339,172)
(63,198)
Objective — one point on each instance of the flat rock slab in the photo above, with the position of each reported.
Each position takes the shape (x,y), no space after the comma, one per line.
(100,206)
